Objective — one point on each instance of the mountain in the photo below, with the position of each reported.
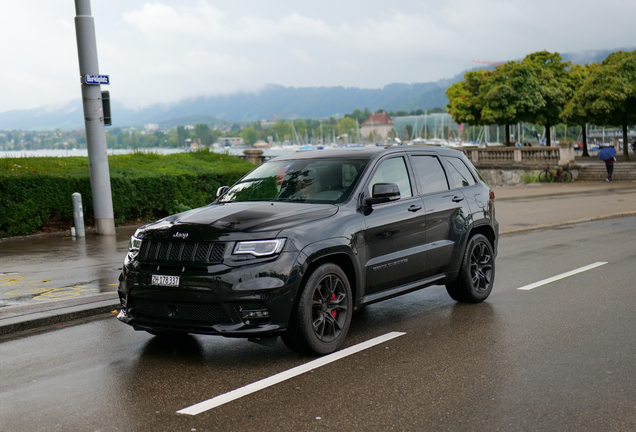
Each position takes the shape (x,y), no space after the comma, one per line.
(306,102)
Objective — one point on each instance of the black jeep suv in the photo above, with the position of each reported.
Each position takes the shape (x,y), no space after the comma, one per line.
(299,243)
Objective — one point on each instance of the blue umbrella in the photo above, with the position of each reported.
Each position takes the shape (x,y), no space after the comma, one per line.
(607,153)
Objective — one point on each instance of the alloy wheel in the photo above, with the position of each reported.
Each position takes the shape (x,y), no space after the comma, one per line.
(481,267)
(329,308)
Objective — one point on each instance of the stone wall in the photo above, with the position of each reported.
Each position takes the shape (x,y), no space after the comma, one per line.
(512,175)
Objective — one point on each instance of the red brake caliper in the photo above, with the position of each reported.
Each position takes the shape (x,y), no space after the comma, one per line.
(333,312)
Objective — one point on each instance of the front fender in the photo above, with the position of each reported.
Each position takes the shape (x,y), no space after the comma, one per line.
(339,250)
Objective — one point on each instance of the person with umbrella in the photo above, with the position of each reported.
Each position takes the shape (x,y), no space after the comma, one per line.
(607,154)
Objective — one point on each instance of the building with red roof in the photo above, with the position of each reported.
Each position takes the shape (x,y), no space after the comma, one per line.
(377,126)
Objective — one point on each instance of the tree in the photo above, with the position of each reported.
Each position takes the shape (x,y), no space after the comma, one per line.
(182,135)
(133,140)
(551,81)
(464,99)
(215,134)
(408,132)
(283,129)
(574,112)
(202,132)
(249,135)
(509,94)
(360,115)
(348,126)
(608,95)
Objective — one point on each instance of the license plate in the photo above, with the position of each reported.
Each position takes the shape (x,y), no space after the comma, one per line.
(171,281)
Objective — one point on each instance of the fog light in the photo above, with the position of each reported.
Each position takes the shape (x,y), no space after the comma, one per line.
(253,313)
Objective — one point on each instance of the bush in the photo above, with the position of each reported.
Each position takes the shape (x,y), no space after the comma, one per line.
(531,177)
(35,193)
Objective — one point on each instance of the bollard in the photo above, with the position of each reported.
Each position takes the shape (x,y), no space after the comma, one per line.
(78,214)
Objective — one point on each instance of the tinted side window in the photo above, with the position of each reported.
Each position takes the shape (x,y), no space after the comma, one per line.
(459,172)
(393,171)
(430,173)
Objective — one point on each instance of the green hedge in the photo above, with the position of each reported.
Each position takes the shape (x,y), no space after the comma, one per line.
(35,193)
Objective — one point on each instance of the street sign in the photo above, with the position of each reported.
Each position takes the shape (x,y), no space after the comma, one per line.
(96,79)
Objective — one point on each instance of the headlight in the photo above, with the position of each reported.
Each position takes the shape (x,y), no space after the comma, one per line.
(259,248)
(134,245)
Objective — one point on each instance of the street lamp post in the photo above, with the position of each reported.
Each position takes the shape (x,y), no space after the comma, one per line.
(94,119)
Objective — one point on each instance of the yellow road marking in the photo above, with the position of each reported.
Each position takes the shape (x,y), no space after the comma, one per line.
(48,293)
(27,291)
(19,281)
(63,292)
(43,293)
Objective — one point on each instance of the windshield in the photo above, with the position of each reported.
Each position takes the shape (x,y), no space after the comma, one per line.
(315,181)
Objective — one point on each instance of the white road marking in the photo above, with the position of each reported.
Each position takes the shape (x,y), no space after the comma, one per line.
(285,375)
(561,276)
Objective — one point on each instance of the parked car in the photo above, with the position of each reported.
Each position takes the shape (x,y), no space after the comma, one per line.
(302,241)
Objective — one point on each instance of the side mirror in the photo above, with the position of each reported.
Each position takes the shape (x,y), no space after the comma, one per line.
(221,191)
(383,192)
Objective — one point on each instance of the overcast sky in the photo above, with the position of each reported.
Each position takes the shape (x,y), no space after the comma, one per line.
(168,50)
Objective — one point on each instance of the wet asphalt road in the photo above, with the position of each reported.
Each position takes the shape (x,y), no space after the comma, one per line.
(56,267)
(558,357)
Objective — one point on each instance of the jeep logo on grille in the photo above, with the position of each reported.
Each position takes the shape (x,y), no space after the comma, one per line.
(181,235)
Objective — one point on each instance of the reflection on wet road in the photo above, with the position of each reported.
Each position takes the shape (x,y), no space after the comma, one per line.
(60,267)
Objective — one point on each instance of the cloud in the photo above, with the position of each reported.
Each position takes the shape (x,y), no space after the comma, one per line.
(39,58)
(168,50)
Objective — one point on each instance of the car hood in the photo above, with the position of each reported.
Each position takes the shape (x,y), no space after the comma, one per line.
(236,221)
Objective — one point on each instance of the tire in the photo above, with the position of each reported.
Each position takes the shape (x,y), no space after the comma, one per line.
(545,176)
(477,273)
(566,176)
(322,316)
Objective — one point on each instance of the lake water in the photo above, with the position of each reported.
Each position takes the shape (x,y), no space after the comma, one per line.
(163,151)
(78,152)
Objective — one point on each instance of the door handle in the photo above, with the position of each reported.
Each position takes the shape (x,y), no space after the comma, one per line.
(415,208)
(457,198)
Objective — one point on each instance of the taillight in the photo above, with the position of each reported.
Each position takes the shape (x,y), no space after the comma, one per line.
(492,195)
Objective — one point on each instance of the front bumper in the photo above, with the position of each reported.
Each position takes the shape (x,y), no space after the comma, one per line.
(240,301)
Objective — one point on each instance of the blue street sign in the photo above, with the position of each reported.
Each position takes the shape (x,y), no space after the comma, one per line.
(96,79)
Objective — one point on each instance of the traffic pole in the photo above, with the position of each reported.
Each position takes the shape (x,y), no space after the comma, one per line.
(94,120)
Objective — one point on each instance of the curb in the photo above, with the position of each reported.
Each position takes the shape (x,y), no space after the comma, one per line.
(66,233)
(28,317)
(567,193)
(572,222)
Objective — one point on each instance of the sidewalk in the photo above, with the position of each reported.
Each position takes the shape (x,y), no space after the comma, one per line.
(54,279)
(540,206)
(50,279)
